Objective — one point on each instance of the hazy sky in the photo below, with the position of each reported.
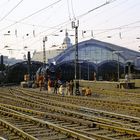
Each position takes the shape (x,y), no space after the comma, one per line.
(26,22)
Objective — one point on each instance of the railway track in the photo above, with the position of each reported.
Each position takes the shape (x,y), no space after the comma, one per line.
(112,106)
(92,123)
(119,95)
(22,126)
(132,109)
(79,123)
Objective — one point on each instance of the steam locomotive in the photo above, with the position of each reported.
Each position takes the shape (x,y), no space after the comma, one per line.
(49,72)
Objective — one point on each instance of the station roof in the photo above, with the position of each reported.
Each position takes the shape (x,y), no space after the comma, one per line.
(128,54)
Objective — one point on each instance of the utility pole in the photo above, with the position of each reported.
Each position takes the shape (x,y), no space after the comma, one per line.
(75,26)
(118,69)
(1,63)
(88,71)
(29,65)
(44,52)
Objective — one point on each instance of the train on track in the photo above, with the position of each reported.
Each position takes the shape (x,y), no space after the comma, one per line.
(49,72)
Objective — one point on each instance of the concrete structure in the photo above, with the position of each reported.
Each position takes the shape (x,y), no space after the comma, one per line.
(54,50)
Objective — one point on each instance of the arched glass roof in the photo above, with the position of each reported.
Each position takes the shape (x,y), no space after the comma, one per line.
(97,52)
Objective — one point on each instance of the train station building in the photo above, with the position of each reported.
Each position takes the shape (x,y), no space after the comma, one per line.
(107,61)
(95,58)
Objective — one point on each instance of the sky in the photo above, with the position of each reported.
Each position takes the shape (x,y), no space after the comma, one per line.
(24,23)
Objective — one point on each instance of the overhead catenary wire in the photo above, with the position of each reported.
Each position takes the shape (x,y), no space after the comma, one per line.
(73,13)
(105,10)
(116,28)
(104,4)
(20,21)
(121,13)
(46,7)
(11,10)
(106,30)
(78,17)
(40,10)
(68,9)
(67,22)
(119,27)
(57,26)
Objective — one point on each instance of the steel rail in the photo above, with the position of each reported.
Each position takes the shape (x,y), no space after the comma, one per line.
(17,131)
(110,114)
(40,102)
(118,129)
(101,126)
(87,117)
(44,123)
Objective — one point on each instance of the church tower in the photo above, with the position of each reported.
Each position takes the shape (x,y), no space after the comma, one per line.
(67,42)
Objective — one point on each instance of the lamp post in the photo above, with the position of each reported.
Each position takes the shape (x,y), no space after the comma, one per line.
(88,68)
(88,71)
(29,65)
(1,62)
(44,52)
(80,65)
(75,26)
(118,68)
(80,69)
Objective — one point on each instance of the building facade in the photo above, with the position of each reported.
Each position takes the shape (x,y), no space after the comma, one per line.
(106,61)
(54,50)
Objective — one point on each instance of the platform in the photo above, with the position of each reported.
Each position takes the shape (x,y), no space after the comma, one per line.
(126,85)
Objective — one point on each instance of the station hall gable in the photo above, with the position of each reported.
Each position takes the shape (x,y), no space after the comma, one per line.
(97,52)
